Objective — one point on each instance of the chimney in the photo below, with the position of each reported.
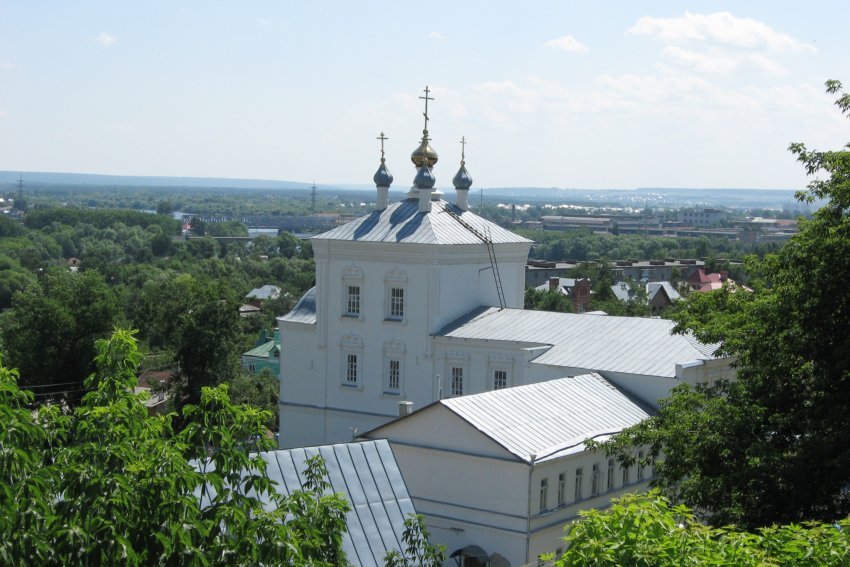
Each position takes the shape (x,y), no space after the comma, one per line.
(554,283)
(405,408)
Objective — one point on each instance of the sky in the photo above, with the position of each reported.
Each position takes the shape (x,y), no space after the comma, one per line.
(615,94)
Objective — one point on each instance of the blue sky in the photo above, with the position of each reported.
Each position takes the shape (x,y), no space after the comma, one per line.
(548,93)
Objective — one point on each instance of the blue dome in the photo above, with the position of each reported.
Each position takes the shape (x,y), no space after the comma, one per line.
(462,179)
(424,178)
(383,177)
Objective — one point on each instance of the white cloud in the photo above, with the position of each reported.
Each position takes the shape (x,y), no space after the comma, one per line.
(436,35)
(3,114)
(105,40)
(568,43)
(767,64)
(707,63)
(7,66)
(720,28)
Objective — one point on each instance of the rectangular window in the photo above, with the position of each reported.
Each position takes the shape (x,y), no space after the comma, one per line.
(457,381)
(544,493)
(394,375)
(500,379)
(351,369)
(625,476)
(352,301)
(562,488)
(396,303)
(640,466)
(594,481)
(578,495)
(610,474)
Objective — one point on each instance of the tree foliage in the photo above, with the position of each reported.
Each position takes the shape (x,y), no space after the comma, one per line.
(418,551)
(647,531)
(109,485)
(773,446)
(50,332)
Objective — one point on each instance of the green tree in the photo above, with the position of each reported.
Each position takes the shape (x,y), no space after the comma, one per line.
(50,333)
(197,320)
(647,531)
(774,445)
(418,551)
(109,485)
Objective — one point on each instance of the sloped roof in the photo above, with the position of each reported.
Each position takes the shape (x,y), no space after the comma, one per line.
(652,288)
(563,285)
(305,310)
(265,350)
(367,475)
(622,291)
(549,419)
(402,222)
(631,345)
(267,291)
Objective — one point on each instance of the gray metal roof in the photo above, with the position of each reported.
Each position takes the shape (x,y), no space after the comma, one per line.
(562,284)
(305,310)
(402,222)
(631,345)
(653,288)
(549,419)
(267,291)
(622,291)
(367,474)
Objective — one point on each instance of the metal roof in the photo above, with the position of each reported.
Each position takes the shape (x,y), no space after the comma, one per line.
(305,310)
(631,345)
(402,222)
(367,475)
(267,291)
(549,419)
(652,288)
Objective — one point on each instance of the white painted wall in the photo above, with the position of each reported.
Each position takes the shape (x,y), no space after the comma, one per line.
(471,494)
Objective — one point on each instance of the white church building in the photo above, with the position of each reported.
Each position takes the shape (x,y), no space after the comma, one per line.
(422,300)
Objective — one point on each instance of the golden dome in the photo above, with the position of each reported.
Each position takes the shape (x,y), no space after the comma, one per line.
(424,154)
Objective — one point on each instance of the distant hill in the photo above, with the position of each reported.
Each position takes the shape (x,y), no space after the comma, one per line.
(92,179)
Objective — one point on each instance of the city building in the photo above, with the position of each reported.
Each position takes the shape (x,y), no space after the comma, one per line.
(526,445)
(422,300)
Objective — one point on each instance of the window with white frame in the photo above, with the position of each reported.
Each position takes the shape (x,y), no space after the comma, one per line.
(352,282)
(393,375)
(500,379)
(544,493)
(578,491)
(352,301)
(393,366)
(396,303)
(351,369)
(594,481)
(499,369)
(352,351)
(610,474)
(562,488)
(640,466)
(457,381)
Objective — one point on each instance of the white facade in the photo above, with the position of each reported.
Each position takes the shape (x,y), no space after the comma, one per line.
(474,488)
(377,305)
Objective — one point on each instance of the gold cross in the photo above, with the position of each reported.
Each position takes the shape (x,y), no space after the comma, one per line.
(463,148)
(426,98)
(381,137)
